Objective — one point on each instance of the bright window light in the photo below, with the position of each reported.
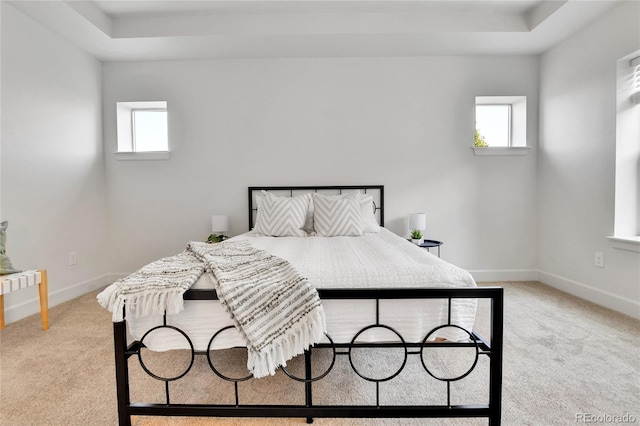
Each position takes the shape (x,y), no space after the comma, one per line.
(493,122)
(149,130)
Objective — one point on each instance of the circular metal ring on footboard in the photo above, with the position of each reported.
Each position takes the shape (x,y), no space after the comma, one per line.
(452,379)
(404,345)
(313,379)
(215,370)
(155,376)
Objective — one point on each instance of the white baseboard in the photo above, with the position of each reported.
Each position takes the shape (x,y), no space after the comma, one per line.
(32,306)
(505,275)
(594,295)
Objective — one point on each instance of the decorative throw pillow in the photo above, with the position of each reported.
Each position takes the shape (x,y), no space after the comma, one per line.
(336,215)
(367,210)
(282,216)
(308,222)
(5,264)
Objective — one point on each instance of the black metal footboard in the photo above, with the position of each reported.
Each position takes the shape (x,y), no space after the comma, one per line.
(490,348)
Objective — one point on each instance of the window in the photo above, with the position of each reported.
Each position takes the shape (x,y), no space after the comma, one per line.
(627,187)
(493,123)
(635,87)
(142,130)
(501,125)
(149,130)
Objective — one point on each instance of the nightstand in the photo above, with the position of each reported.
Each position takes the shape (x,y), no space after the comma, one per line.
(431,243)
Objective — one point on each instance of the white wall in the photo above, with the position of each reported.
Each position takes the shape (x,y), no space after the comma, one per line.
(576,170)
(52,176)
(406,123)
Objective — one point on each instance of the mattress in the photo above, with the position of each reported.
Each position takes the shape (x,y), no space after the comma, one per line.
(375,260)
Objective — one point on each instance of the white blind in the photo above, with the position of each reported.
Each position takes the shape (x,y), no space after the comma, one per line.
(635,90)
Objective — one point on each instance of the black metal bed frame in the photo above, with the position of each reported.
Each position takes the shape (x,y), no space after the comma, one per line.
(294,190)
(491,348)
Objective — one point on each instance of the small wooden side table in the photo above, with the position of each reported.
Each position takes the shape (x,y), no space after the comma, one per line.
(20,280)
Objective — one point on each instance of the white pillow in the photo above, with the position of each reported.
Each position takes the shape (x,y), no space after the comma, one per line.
(368,213)
(308,222)
(336,215)
(282,216)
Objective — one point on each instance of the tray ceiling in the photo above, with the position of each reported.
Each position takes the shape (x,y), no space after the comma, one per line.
(113,30)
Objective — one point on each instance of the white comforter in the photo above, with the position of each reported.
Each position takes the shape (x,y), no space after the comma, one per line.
(374,260)
(377,260)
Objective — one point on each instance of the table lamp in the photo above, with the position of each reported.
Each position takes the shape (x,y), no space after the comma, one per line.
(219,225)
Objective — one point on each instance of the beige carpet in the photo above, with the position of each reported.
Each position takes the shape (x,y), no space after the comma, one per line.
(563,358)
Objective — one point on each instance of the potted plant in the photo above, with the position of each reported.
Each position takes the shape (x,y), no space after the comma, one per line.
(416,236)
(480,141)
(215,238)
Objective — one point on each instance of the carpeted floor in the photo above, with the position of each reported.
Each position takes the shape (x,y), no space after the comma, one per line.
(565,359)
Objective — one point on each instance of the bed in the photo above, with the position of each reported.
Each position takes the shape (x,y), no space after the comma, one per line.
(378,291)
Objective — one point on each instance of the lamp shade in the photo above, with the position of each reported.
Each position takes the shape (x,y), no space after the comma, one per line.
(219,223)
(418,221)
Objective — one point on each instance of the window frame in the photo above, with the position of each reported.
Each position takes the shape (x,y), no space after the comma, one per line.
(626,220)
(517,125)
(509,121)
(133,127)
(125,121)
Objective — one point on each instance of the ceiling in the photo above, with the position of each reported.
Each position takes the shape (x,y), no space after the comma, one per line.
(114,30)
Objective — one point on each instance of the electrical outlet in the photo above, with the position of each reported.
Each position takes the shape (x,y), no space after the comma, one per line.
(73,260)
(599,259)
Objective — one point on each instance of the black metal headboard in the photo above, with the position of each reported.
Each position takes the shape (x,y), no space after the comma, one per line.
(376,191)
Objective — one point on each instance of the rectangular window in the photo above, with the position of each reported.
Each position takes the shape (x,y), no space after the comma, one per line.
(149,130)
(501,125)
(627,184)
(635,90)
(493,123)
(142,130)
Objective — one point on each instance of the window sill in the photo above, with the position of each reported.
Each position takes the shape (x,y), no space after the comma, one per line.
(507,150)
(160,155)
(626,243)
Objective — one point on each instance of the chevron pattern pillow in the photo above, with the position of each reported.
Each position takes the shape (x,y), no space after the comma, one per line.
(336,215)
(282,216)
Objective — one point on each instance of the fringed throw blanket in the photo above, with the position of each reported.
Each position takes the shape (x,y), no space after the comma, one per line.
(277,311)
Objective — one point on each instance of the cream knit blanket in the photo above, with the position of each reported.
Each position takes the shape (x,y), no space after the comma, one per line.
(276,310)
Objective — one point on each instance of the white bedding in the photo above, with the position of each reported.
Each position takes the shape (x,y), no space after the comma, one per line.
(375,260)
